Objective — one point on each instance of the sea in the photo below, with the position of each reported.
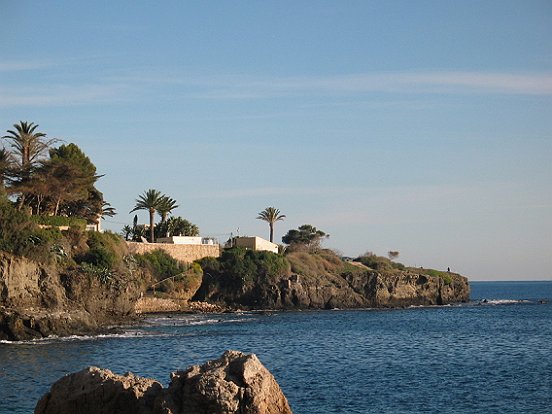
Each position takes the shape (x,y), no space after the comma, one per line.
(492,355)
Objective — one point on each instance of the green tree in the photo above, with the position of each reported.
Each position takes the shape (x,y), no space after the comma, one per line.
(150,201)
(166,205)
(176,226)
(306,235)
(392,254)
(66,182)
(89,205)
(271,215)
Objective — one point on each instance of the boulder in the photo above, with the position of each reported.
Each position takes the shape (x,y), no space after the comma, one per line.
(234,383)
(95,390)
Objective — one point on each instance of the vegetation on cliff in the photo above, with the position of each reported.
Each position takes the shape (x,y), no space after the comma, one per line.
(169,275)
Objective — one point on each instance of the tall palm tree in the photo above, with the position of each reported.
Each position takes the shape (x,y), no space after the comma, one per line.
(271,215)
(150,201)
(165,207)
(27,143)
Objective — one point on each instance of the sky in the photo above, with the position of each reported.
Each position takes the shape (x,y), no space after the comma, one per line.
(423,127)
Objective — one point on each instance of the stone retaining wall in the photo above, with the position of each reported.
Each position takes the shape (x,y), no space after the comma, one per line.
(183,252)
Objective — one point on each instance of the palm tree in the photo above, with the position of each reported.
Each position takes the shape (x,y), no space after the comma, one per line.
(150,200)
(165,207)
(107,210)
(28,144)
(271,215)
(6,163)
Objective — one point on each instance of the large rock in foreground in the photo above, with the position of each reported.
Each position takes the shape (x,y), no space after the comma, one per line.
(95,390)
(234,383)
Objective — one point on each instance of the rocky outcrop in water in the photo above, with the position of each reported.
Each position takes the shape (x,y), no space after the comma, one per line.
(234,383)
(327,282)
(39,300)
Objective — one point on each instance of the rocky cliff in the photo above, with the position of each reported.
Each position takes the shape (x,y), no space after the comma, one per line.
(234,383)
(38,300)
(324,281)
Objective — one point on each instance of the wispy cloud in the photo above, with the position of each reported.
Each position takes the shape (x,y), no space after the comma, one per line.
(60,95)
(406,193)
(16,66)
(161,85)
(429,82)
(228,87)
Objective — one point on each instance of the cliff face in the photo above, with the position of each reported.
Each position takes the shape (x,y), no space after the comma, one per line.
(38,300)
(334,287)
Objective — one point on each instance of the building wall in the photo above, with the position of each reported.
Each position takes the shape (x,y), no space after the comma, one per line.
(183,252)
(256,243)
(262,244)
(180,240)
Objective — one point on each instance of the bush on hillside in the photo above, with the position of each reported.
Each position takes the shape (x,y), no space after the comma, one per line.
(21,237)
(447,278)
(241,266)
(105,250)
(379,263)
(161,264)
(321,263)
(59,221)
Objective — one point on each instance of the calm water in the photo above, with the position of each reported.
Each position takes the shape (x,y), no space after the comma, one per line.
(492,357)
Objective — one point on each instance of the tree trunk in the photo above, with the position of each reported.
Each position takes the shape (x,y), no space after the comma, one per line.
(57,206)
(271,231)
(152,220)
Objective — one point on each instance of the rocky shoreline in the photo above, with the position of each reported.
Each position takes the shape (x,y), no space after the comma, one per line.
(38,301)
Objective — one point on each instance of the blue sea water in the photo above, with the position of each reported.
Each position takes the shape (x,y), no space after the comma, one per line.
(493,355)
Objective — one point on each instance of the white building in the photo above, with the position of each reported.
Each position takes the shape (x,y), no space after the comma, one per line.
(187,240)
(255,243)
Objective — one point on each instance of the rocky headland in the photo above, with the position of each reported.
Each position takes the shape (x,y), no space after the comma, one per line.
(322,280)
(234,383)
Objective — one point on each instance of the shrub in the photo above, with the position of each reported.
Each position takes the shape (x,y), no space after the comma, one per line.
(161,264)
(239,266)
(375,262)
(103,274)
(100,256)
(20,236)
(109,241)
(447,278)
(104,250)
(59,221)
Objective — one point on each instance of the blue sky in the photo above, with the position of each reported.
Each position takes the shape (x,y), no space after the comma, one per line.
(423,127)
